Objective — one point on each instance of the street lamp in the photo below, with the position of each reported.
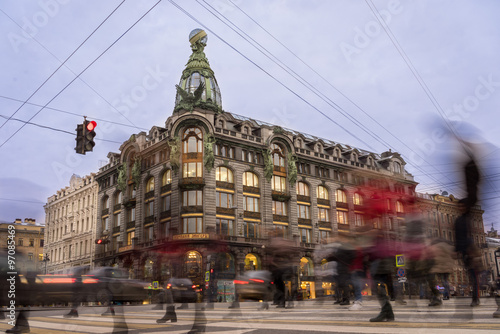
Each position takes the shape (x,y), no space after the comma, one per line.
(45,260)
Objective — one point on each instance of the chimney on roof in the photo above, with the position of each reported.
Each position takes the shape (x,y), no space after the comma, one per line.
(18,221)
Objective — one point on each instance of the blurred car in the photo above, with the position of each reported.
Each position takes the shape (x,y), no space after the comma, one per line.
(183,290)
(254,285)
(107,284)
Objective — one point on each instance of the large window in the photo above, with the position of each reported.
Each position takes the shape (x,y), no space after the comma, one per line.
(341,196)
(192,225)
(251,229)
(225,226)
(250,179)
(224,174)
(303,211)
(342,217)
(165,203)
(323,214)
(359,219)
(192,156)
(322,192)
(305,235)
(278,156)
(399,207)
(192,198)
(278,183)
(149,208)
(280,208)
(302,189)
(223,200)
(251,203)
(357,199)
(150,185)
(166,178)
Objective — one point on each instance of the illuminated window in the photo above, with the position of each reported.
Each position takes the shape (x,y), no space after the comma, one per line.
(341,196)
(303,211)
(192,156)
(399,207)
(305,235)
(278,183)
(250,179)
(322,192)
(280,208)
(192,198)
(166,178)
(302,189)
(342,217)
(251,203)
(277,155)
(357,199)
(323,214)
(223,199)
(224,174)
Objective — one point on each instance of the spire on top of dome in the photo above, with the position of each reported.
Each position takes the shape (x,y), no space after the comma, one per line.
(198,86)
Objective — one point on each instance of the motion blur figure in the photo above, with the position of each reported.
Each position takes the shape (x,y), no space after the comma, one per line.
(77,293)
(464,245)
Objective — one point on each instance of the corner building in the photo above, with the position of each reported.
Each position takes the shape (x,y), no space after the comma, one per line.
(205,191)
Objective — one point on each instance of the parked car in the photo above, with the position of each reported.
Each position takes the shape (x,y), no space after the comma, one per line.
(107,284)
(254,285)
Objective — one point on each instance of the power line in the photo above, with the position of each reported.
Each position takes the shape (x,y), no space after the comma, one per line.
(72,113)
(63,63)
(86,68)
(52,128)
(309,86)
(19,200)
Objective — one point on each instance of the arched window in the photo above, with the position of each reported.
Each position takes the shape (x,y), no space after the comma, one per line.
(357,199)
(341,196)
(224,174)
(397,167)
(192,156)
(105,202)
(278,156)
(250,179)
(252,262)
(322,192)
(150,185)
(302,189)
(399,207)
(166,178)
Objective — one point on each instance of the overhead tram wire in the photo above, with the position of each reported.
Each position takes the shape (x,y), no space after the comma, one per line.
(294,74)
(63,63)
(414,71)
(79,78)
(55,129)
(72,113)
(266,72)
(86,68)
(313,89)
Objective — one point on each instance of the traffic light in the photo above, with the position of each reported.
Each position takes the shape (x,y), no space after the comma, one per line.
(89,135)
(102,241)
(85,137)
(99,241)
(80,140)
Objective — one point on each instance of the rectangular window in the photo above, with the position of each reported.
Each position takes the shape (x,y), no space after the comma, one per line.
(130,237)
(251,230)
(41,243)
(32,243)
(148,233)
(20,242)
(192,169)
(224,226)
(251,204)
(105,224)
(279,208)
(192,198)
(303,211)
(165,229)
(131,215)
(324,236)
(278,183)
(323,215)
(305,235)
(223,200)
(149,209)
(281,230)
(30,255)
(358,219)
(192,225)
(342,217)
(165,203)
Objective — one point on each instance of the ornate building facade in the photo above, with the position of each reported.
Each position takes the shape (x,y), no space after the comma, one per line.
(206,190)
(70,220)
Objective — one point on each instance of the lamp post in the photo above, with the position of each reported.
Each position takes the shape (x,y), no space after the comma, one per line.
(45,260)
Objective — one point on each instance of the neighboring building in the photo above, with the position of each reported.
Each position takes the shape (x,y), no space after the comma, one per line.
(211,182)
(439,213)
(29,241)
(492,263)
(70,219)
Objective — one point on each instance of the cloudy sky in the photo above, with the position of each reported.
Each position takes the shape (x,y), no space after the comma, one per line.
(375,74)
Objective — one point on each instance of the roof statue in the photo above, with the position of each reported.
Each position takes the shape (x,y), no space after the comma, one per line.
(198,86)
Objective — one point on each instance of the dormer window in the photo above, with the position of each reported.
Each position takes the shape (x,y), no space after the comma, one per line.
(246,130)
(299,143)
(397,167)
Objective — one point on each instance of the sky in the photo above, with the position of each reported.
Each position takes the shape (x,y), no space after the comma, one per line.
(410,76)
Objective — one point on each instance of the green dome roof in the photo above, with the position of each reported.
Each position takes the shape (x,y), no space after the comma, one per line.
(198,73)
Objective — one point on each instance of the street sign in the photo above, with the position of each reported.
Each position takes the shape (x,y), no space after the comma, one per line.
(402,279)
(400,260)
(401,272)
(155,285)
(207,276)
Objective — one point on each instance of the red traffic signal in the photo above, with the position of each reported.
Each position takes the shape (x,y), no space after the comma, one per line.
(91,125)
(99,241)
